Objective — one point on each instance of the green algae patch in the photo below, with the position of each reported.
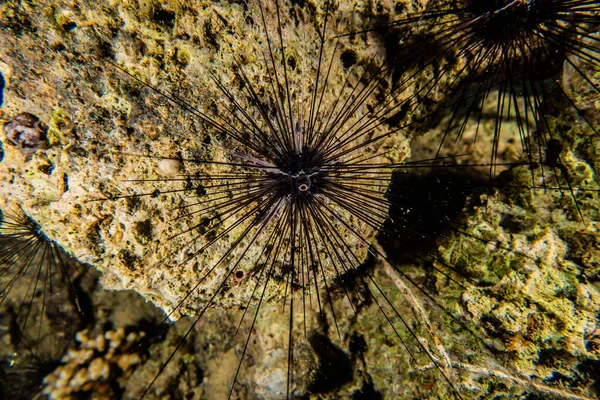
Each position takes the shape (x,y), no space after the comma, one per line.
(531,296)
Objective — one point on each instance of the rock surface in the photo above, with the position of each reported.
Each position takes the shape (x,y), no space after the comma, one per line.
(527,264)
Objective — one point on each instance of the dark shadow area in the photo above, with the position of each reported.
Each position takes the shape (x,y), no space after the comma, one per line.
(335,365)
(424,203)
(591,368)
(367,392)
(23,378)
(353,283)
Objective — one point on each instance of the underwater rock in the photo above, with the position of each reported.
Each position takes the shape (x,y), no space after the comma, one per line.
(106,129)
(26,132)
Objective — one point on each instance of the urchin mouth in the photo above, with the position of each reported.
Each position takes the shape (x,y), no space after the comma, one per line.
(299,173)
(302,182)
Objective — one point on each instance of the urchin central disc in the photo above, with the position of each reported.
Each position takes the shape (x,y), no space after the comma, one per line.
(503,20)
(301,181)
(301,169)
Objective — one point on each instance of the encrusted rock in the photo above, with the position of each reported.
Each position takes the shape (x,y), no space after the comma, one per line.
(27,133)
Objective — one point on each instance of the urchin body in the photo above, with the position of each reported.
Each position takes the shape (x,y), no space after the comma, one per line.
(498,65)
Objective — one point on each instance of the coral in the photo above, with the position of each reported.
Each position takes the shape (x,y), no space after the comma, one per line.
(95,365)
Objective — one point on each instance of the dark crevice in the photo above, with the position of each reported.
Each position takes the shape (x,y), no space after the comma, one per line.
(335,366)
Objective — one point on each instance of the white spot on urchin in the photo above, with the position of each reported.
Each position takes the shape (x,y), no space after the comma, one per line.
(169,167)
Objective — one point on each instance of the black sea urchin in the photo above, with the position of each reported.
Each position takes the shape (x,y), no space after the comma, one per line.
(504,67)
(23,379)
(27,254)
